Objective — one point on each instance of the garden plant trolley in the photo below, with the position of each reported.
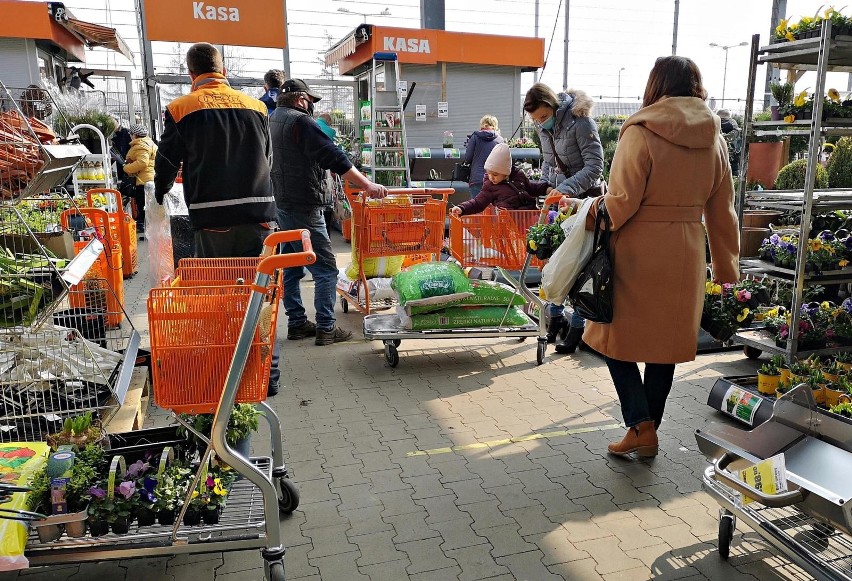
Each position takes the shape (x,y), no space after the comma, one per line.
(252,519)
(811,523)
(472,238)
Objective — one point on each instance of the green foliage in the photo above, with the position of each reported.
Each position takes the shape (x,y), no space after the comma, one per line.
(792,176)
(769,369)
(608,129)
(844,409)
(782,92)
(840,165)
(78,424)
(244,419)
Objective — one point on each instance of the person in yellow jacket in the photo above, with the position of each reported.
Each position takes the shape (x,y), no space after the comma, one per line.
(140,165)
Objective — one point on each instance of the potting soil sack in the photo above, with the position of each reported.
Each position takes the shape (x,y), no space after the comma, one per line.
(465,317)
(485,293)
(432,283)
(19,461)
(374,267)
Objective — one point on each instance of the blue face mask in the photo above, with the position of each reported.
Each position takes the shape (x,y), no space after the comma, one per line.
(551,121)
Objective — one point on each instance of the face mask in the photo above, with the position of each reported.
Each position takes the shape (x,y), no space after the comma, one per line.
(551,121)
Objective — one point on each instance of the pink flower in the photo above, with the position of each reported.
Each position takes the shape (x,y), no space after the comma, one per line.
(743,296)
(127,489)
(726,287)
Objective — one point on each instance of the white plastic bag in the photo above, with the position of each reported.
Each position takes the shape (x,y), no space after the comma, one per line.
(563,268)
(158,232)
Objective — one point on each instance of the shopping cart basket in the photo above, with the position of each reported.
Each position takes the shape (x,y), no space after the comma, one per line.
(495,238)
(123,228)
(406,222)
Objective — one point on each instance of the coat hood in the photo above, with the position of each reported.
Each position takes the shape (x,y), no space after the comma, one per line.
(683,121)
(578,102)
(486,134)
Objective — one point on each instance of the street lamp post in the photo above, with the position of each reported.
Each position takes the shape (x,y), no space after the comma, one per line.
(725,76)
(619,83)
(385,12)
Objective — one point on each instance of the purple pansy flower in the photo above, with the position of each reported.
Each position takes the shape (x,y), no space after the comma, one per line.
(97,492)
(127,489)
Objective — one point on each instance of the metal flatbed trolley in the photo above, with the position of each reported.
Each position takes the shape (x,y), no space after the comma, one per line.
(226,322)
(495,239)
(811,522)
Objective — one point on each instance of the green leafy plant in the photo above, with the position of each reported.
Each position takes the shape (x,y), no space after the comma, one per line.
(844,357)
(782,93)
(245,419)
(171,488)
(769,369)
(840,164)
(77,430)
(843,409)
(792,176)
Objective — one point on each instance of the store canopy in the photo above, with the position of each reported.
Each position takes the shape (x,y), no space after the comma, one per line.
(53,23)
(96,35)
(424,46)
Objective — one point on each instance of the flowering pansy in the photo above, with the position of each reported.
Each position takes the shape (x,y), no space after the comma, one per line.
(743,296)
(127,489)
(97,492)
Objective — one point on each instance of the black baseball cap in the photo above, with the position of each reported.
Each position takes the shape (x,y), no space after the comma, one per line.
(299,86)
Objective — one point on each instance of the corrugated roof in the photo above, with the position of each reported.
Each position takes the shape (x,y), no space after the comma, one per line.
(625,108)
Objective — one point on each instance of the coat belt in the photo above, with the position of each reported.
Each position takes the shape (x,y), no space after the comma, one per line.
(668,214)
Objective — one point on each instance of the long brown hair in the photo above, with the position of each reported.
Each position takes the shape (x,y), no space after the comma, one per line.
(538,95)
(673,76)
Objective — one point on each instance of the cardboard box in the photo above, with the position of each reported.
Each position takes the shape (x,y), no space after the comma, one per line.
(60,243)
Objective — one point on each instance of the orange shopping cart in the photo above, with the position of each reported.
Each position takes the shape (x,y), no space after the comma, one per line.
(123,227)
(212,331)
(409,221)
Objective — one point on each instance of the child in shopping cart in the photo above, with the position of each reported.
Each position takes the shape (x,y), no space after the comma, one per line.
(505,186)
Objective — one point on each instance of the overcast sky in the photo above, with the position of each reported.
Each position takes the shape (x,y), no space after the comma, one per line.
(605,35)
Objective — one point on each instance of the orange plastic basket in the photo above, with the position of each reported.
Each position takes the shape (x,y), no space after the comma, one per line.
(494,238)
(123,229)
(194,325)
(227,271)
(403,225)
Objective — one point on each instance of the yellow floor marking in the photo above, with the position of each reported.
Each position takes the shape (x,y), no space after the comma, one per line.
(527,438)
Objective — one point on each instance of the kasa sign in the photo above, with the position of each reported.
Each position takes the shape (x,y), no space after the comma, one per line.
(400,44)
(228,22)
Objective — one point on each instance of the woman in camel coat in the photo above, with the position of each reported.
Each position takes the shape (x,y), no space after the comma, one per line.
(670,168)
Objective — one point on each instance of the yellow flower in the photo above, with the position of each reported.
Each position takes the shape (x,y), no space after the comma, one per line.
(772,312)
(712,288)
(815,244)
(217,488)
(834,95)
(789,118)
(789,36)
(825,306)
(194,494)
(828,12)
(743,316)
(843,262)
(794,27)
(782,26)
(805,20)
(799,101)
(533,245)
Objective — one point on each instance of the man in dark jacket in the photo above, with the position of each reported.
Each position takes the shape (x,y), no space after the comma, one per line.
(220,137)
(272,81)
(302,153)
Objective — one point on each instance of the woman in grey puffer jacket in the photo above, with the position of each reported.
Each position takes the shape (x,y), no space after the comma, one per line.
(477,150)
(570,141)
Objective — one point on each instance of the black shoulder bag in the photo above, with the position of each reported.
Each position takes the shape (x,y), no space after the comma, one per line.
(592,192)
(591,295)
(461,172)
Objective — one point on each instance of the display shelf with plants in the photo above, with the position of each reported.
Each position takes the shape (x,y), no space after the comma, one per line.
(803,255)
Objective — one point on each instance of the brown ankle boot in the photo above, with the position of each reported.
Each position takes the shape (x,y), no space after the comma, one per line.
(641,438)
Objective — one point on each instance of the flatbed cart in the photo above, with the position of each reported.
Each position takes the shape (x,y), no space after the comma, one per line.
(810,523)
(409,221)
(498,240)
(254,502)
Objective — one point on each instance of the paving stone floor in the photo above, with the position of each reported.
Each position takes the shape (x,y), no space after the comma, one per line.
(469,462)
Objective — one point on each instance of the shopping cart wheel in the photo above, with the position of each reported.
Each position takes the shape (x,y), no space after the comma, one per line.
(751,352)
(521,339)
(391,354)
(344,304)
(397,342)
(727,524)
(274,570)
(288,495)
(540,351)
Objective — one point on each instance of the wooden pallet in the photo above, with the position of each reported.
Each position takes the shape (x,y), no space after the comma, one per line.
(131,415)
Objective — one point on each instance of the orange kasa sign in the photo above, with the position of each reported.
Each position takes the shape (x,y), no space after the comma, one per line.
(231,22)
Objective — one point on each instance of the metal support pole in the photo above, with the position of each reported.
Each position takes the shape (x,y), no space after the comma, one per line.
(149,85)
(674,28)
(725,77)
(535,73)
(565,56)
(773,74)
(285,52)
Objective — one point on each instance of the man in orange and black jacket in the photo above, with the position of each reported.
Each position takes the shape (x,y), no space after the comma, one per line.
(221,136)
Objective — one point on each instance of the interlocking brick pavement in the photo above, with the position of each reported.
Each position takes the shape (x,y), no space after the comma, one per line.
(548,505)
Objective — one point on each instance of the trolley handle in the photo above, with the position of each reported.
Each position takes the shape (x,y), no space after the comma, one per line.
(779,500)
(272,262)
(107,191)
(445,193)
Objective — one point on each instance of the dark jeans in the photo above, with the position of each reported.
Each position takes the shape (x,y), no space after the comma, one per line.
(324,270)
(641,400)
(242,241)
(138,193)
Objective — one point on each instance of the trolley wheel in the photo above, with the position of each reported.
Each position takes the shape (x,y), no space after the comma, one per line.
(521,339)
(397,342)
(727,524)
(344,304)
(751,352)
(288,495)
(540,351)
(391,355)
(274,570)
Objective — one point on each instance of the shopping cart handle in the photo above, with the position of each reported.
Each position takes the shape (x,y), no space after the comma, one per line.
(553,198)
(780,500)
(272,262)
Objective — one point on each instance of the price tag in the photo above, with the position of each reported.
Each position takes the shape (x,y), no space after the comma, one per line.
(420,113)
(443,109)
(402,87)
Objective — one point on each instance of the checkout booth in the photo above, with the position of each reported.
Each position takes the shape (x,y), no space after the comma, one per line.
(447,82)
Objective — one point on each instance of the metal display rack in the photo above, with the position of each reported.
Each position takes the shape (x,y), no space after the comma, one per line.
(822,54)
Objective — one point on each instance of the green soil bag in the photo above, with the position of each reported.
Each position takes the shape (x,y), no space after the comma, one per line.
(485,293)
(467,317)
(431,283)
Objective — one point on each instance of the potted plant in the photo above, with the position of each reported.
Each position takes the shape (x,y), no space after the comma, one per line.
(836,390)
(783,95)
(816,381)
(544,239)
(768,377)
(99,511)
(844,409)
(77,430)
(197,504)
(783,388)
(125,502)
(798,373)
(169,493)
(84,109)
(831,371)
(216,495)
(244,419)
(844,360)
